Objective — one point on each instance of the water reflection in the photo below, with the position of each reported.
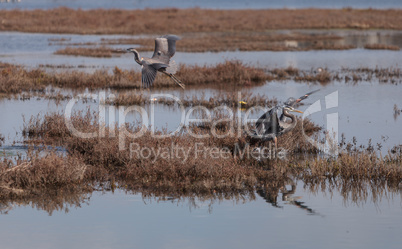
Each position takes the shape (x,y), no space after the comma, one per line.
(278,194)
(61,200)
(271,195)
(397,112)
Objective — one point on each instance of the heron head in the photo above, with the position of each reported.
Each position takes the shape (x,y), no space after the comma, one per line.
(291,109)
(132,50)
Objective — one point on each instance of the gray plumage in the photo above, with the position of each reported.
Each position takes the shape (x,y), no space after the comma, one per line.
(165,48)
(269,126)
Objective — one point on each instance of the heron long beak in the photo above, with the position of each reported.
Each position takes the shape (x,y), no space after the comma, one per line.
(297,111)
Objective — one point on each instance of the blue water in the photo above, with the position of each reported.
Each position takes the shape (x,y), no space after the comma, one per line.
(129,221)
(210,4)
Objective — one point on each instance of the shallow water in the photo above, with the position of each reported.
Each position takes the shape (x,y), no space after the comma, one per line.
(223,4)
(119,220)
(37,51)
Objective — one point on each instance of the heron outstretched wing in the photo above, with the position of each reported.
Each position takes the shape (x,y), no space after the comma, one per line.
(148,75)
(293,101)
(305,96)
(149,69)
(165,48)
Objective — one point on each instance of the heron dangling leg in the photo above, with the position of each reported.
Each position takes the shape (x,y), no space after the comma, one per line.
(276,144)
(175,79)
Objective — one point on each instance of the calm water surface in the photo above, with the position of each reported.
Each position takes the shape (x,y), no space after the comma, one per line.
(33,50)
(130,221)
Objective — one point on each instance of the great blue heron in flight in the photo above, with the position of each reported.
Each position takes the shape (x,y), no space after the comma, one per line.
(269,126)
(165,48)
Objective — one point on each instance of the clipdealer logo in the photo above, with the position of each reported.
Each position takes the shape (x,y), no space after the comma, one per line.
(330,146)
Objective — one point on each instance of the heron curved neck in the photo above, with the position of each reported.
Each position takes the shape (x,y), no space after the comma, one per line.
(137,57)
(291,116)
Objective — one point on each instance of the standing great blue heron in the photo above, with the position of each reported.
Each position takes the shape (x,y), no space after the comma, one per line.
(269,126)
(165,48)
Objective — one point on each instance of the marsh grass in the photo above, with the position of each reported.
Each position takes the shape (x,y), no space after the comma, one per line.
(179,21)
(232,75)
(15,79)
(32,176)
(97,163)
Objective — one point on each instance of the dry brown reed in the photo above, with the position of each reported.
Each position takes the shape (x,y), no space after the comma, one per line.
(203,171)
(382,46)
(179,21)
(232,75)
(14,80)
(32,177)
(175,172)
